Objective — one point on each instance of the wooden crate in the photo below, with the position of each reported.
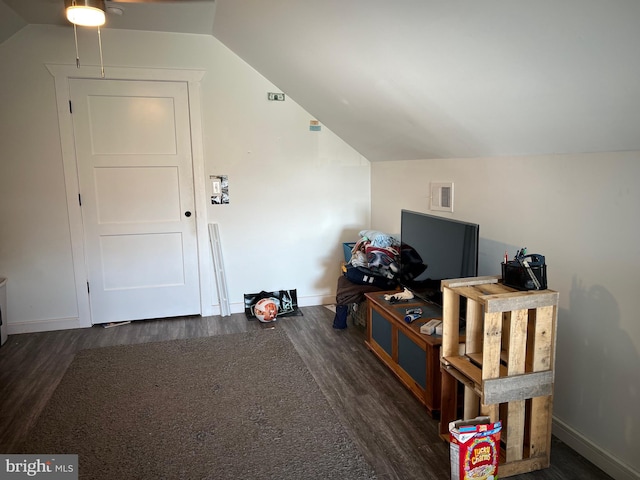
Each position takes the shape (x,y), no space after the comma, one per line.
(507,368)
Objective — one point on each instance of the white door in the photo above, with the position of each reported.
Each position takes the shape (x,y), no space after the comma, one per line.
(133,149)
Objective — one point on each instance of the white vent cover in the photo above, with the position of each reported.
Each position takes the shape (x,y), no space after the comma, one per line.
(442,197)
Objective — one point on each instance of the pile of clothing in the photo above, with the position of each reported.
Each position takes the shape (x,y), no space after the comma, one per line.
(375,260)
(378,262)
(374,266)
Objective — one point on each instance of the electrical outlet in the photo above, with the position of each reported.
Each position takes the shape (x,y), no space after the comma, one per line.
(278,97)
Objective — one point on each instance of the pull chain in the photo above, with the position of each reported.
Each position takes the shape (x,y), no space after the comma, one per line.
(101,62)
(75,36)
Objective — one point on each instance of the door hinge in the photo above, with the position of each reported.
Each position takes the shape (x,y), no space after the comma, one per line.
(88,289)
(79,200)
(70,108)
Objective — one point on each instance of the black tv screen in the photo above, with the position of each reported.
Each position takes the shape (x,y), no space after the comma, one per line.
(433,249)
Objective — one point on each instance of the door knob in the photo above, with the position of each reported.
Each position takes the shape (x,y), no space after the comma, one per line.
(187,213)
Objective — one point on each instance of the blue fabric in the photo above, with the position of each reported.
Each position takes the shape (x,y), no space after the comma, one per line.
(379,239)
(340,320)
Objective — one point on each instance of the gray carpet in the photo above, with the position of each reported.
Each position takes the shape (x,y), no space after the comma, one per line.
(240,406)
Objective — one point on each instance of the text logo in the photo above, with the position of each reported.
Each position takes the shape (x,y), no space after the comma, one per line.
(49,467)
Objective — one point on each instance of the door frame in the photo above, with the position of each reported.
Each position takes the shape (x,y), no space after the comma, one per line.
(61,75)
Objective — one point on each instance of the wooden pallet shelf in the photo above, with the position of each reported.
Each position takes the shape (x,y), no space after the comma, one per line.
(507,368)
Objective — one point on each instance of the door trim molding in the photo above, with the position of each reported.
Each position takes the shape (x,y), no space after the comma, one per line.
(62,74)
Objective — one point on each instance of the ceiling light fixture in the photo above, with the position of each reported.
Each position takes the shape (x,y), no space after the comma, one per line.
(86,13)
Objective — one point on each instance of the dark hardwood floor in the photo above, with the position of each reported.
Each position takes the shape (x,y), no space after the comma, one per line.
(392,429)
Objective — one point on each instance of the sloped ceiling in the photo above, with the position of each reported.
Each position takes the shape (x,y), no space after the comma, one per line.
(412,79)
(417,79)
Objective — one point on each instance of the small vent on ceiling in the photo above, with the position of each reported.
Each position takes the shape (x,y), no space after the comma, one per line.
(442,197)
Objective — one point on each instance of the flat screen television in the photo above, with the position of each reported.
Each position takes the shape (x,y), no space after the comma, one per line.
(433,249)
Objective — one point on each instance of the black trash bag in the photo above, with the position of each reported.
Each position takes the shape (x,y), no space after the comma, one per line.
(286,302)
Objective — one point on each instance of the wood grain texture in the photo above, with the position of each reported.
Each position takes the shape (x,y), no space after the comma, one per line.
(392,428)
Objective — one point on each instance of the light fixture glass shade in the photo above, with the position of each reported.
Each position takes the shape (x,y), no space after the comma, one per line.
(86,14)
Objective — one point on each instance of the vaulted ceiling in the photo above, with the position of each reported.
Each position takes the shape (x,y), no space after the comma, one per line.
(417,79)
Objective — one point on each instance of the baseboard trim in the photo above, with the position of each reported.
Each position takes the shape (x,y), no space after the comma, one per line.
(585,447)
(36,326)
(316,300)
(14,328)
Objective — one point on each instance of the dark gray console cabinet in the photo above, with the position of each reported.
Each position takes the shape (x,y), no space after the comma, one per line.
(412,356)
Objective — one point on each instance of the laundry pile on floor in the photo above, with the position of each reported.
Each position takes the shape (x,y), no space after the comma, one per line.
(374,266)
(379,261)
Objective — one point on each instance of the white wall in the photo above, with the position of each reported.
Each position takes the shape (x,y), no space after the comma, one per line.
(295,194)
(581,212)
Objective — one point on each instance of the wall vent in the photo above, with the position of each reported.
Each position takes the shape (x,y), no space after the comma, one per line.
(442,197)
